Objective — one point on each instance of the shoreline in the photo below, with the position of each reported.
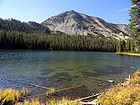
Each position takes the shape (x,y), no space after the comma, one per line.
(128,53)
(80,94)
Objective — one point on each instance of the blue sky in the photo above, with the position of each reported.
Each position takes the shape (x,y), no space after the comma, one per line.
(115,11)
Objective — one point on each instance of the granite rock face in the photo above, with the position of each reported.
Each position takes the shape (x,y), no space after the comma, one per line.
(73,23)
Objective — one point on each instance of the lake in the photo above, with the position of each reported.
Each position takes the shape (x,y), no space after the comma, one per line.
(62,69)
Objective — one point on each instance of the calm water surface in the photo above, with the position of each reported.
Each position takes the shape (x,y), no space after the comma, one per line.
(63,69)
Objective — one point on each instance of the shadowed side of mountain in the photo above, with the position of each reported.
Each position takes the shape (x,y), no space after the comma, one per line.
(16,25)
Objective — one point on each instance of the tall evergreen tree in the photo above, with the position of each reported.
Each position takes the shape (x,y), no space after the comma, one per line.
(135,23)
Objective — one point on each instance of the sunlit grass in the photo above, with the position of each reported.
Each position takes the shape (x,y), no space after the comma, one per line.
(128,93)
(10,95)
(63,101)
(24,92)
(51,91)
(32,102)
(13,96)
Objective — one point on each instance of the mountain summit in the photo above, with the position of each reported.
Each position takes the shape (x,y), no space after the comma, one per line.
(72,22)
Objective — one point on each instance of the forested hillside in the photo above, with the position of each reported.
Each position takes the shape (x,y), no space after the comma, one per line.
(15,34)
(20,40)
(16,25)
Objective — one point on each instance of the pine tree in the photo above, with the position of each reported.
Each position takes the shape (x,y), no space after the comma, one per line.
(135,23)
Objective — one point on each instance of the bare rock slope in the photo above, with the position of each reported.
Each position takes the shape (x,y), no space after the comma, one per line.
(72,23)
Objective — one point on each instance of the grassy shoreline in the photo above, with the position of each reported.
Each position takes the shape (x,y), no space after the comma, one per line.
(128,53)
(125,93)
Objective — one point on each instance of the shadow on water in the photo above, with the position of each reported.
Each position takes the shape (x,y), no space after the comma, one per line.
(107,70)
(84,74)
(46,71)
(61,77)
(56,79)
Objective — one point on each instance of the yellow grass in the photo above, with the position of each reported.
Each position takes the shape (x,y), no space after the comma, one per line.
(10,95)
(63,101)
(126,94)
(51,91)
(24,92)
(32,102)
(13,96)
(128,53)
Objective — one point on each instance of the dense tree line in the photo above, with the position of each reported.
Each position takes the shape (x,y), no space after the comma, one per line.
(20,40)
(125,45)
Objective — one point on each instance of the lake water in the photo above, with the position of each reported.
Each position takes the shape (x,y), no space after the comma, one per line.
(61,69)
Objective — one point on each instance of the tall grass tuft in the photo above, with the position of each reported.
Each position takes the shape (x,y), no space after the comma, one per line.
(24,92)
(51,91)
(32,102)
(10,95)
(126,94)
(63,101)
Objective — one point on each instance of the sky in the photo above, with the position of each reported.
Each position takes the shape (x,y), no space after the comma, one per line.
(113,11)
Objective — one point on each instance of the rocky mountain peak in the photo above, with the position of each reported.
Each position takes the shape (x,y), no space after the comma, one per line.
(72,22)
(71,12)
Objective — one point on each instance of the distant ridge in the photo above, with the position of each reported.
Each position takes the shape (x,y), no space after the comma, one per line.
(16,25)
(72,22)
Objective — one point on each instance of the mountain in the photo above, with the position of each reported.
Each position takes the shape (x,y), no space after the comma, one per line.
(16,25)
(71,22)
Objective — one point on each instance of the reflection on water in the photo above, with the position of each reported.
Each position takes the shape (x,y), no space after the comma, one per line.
(63,69)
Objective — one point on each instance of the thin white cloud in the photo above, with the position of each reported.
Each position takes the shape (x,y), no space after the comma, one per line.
(123,10)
